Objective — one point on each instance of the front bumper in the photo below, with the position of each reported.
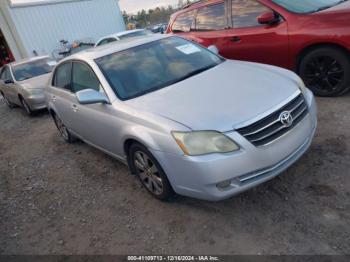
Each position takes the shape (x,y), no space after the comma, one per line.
(199,176)
(36,102)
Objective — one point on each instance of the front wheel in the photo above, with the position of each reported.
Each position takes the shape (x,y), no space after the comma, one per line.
(326,71)
(26,107)
(149,171)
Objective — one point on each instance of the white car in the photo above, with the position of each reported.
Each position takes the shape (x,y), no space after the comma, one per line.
(183,118)
(122,35)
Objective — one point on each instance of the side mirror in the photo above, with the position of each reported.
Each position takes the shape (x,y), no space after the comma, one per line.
(214,49)
(90,96)
(9,81)
(268,18)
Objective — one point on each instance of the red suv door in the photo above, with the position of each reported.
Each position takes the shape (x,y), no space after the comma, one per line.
(251,41)
(232,26)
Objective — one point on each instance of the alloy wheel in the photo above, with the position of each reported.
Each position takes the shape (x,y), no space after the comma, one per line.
(148,173)
(62,128)
(324,73)
(26,107)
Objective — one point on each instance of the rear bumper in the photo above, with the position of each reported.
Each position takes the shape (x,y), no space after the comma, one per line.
(199,177)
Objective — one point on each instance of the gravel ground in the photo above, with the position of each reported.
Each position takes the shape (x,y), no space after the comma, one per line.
(57,198)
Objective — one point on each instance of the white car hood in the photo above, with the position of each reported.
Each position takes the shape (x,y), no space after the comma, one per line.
(221,98)
(36,82)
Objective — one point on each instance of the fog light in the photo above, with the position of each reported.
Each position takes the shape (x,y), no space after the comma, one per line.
(224,185)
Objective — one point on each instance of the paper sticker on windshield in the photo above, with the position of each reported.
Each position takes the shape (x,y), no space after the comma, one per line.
(188,49)
(52,63)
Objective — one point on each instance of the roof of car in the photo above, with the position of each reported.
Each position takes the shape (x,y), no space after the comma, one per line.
(27,60)
(100,51)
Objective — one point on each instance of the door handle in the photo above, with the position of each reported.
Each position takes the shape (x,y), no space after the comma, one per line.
(235,39)
(54,98)
(75,108)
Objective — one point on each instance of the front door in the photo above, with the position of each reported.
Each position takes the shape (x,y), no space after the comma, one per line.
(95,123)
(248,40)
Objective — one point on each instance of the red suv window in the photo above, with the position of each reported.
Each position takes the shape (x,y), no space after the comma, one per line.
(245,13)
(211,17)
(183,22)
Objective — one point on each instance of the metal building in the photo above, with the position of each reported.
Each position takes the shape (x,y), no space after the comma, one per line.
(36,26)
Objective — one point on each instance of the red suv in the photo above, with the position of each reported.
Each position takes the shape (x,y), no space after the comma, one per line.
(311,37)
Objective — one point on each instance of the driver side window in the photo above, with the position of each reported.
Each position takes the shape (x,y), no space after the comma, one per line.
(6,74)
(246,12)
(84,78)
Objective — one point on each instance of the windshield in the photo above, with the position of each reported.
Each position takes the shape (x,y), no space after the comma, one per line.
(33,69)
(152,66)
(307,6)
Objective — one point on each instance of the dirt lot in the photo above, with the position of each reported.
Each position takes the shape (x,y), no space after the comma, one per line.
(57,198)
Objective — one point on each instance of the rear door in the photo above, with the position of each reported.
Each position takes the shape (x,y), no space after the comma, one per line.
(61,96)
(210,25)
(251,41)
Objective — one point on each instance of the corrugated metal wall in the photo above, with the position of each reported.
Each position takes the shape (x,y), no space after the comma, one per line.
(41,27)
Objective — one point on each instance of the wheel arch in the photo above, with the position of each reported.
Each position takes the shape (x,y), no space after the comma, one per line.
(307,49)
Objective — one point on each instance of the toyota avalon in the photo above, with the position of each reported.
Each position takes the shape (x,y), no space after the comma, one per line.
(184,119)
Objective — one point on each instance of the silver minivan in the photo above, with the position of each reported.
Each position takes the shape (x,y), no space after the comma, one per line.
(184,119)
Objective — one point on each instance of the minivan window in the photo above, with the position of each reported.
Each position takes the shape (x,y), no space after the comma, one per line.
(134,34)
(62,77)
(245,13)
(183,22)
(307,6)
(84,78)
(211,18)
(33,69)
(106,41)
(152,66)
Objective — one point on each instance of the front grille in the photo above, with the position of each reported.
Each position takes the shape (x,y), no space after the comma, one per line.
(270,128)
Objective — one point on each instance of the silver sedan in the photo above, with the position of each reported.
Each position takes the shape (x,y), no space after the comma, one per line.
(184,119)
(22,83)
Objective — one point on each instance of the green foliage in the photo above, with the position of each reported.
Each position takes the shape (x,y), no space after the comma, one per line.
(155,16)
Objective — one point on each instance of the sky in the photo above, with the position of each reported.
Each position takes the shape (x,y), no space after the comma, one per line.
(131,6)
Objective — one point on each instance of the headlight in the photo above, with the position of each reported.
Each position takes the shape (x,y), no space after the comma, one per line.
(302,86)
(204,142)
(36,91)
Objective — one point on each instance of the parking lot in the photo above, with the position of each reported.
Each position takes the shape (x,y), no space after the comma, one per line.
(57,198)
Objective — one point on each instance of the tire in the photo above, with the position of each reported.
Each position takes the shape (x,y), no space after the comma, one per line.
(26,107)
(326,71)
(8,103)
(146,167)
(67,136)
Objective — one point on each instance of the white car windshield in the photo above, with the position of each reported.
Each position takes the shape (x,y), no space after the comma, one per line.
(155,65)
(33,69)
(307,6)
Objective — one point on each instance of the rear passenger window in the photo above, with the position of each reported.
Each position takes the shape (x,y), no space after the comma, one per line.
(84,78)
(62,77)
(211,18)
(245,13)
(183,22)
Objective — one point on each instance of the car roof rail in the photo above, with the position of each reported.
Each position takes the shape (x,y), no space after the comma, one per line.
(193,3)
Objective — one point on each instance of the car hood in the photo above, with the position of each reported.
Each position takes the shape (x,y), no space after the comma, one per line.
(223,97)
(36,82)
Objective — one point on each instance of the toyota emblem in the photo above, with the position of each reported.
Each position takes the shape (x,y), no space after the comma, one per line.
(286,119)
